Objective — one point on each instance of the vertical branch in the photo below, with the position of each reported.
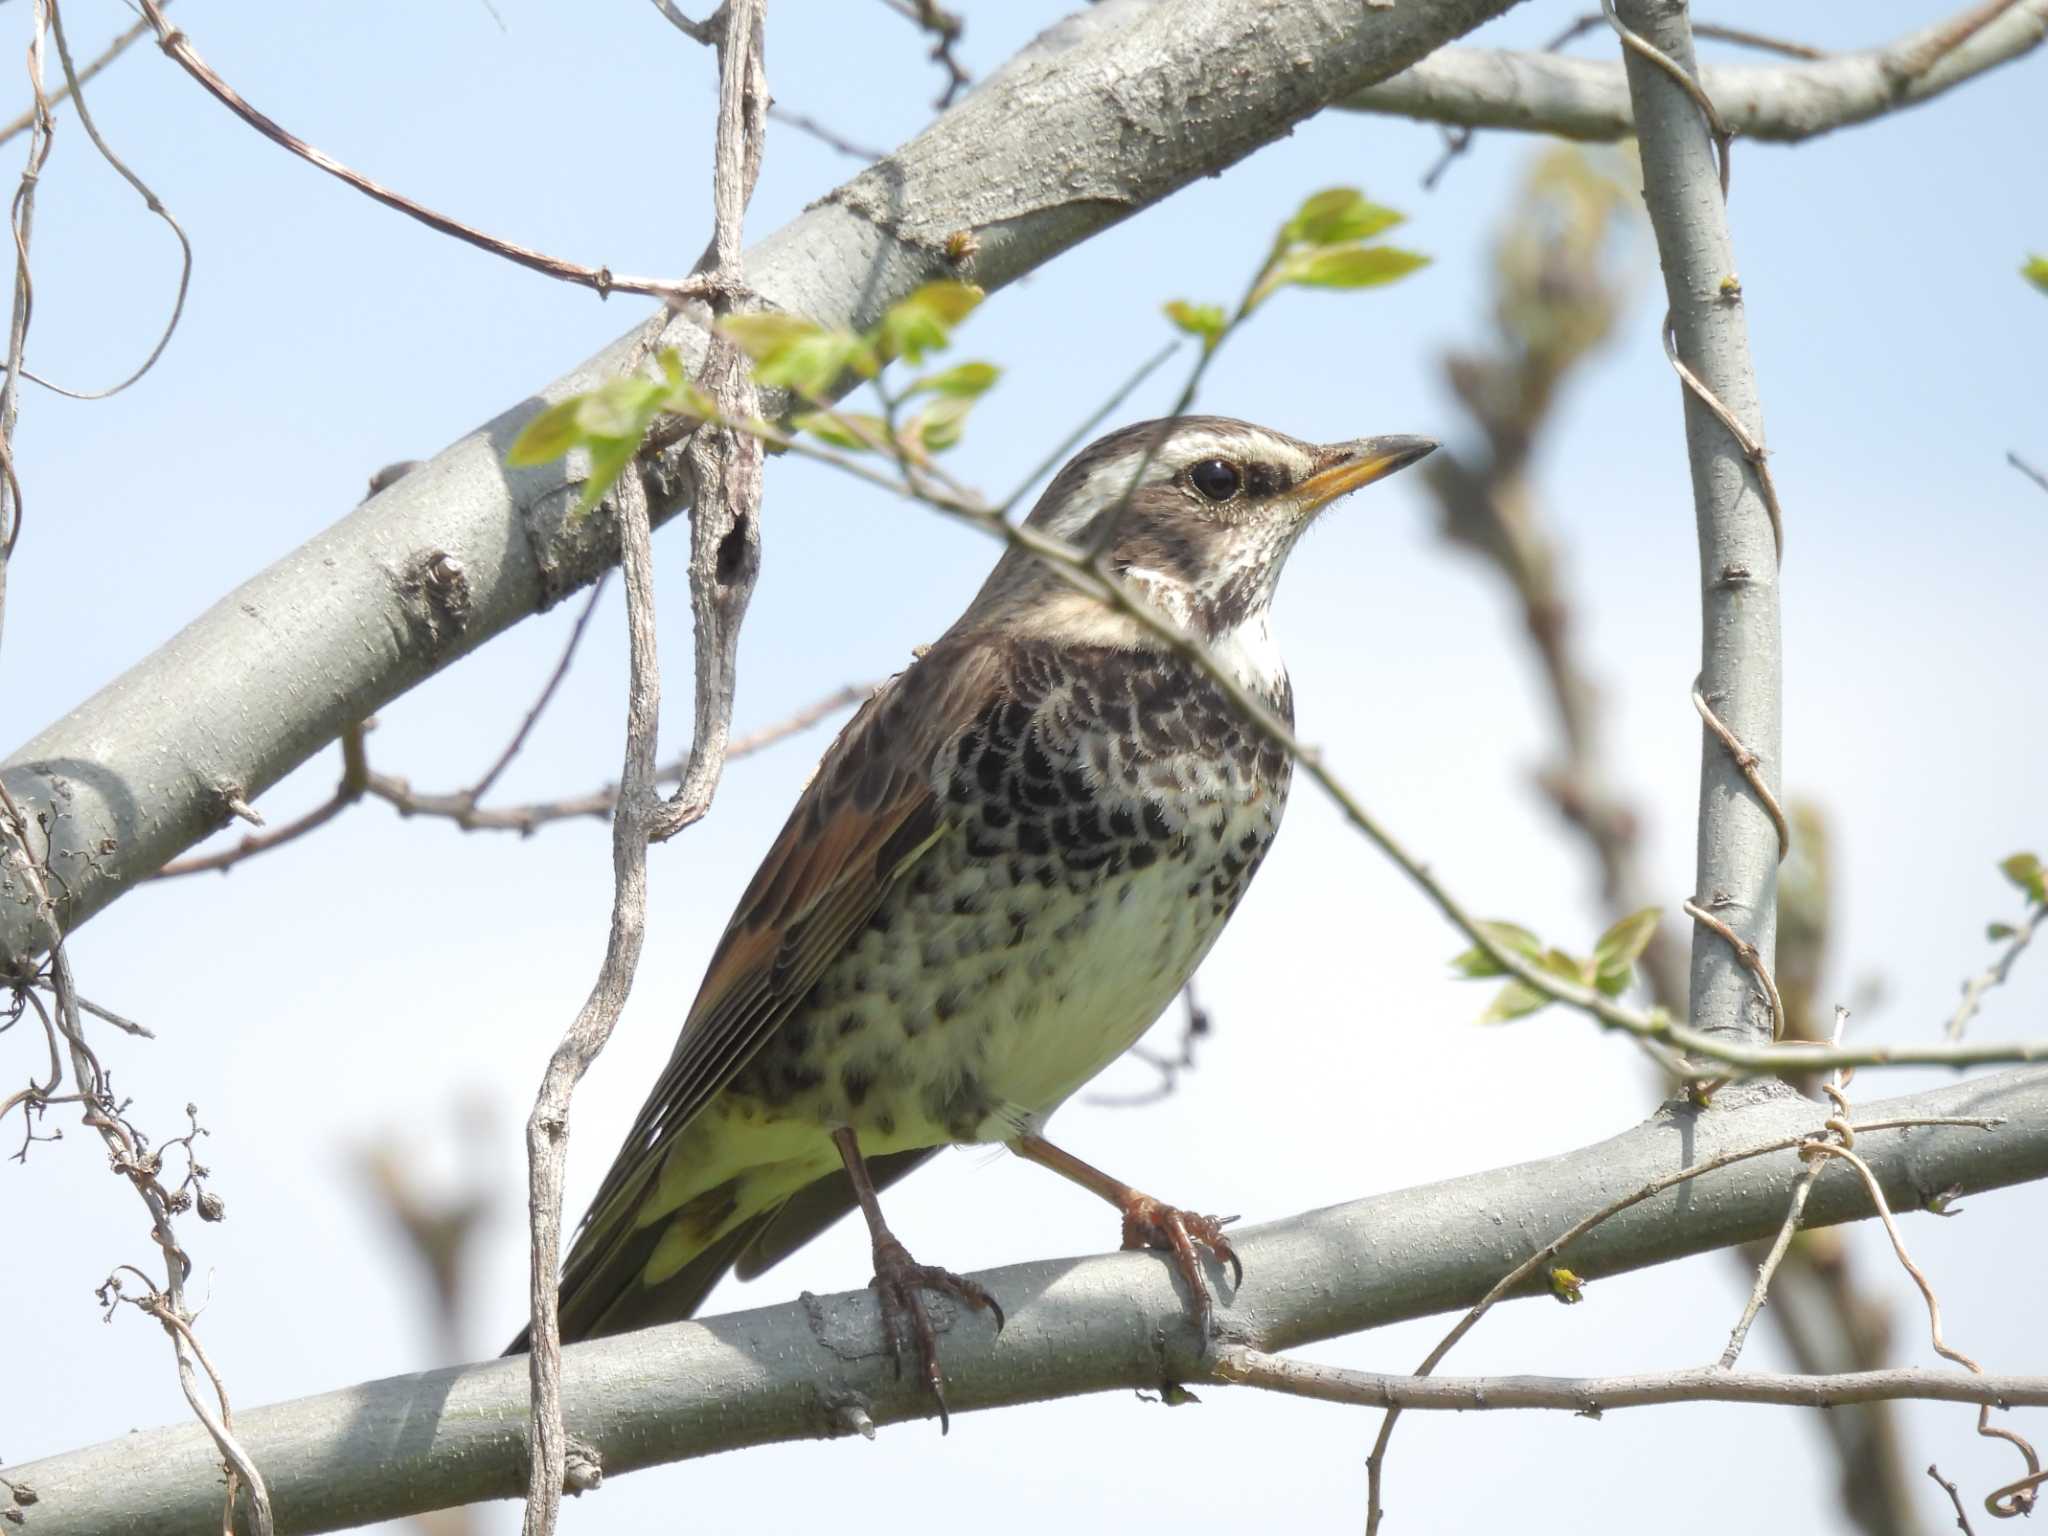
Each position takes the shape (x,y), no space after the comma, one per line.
(725,522)
(1740,649)
(547,1130)
(724,557)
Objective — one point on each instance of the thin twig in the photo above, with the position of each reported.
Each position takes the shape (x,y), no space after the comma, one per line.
(497,769)
(1376,1462)
(111,52)
(945,29)
(76,82)
(1751,767)
(2027,469)
(358,783)
(824,135)
(22,223)
(1746,952)
(1994,974)
(1795,1209)
(1954,1497)
(2017,1497)
(602,280)
(547,1130)
(724,558)
(129,1157)
(1593,1396)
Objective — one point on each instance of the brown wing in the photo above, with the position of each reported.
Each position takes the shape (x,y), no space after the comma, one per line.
(868,814)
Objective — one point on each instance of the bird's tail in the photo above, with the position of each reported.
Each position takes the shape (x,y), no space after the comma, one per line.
(608,1294)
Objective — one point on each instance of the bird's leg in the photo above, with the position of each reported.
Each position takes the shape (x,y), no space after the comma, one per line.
(899,1278)
(1149,1223)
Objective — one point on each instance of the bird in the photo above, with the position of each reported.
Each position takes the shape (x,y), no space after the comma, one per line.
(1003,871)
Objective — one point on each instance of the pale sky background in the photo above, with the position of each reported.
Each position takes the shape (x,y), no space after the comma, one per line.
(370,981)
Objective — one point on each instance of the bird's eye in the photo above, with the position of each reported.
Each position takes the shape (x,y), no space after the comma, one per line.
(1216,479)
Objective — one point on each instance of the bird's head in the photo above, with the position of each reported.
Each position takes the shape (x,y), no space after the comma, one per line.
(1214,508)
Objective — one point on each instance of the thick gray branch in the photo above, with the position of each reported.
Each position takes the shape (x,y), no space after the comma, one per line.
(1588,98)
(1126,103)
(1741,662)
(807,1369)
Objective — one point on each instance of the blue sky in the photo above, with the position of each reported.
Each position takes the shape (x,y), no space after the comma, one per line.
(372,980)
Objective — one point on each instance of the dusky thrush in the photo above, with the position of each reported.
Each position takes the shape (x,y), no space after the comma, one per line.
(1005,868)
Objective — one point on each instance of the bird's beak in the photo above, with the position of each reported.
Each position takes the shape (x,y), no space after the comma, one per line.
(1347,466)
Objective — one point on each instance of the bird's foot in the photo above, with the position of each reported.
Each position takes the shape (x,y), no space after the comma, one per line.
(1150,1223)
(898,1280)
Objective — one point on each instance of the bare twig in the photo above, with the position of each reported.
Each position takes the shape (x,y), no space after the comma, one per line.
(1838,1127)
(945,29)
(22,222)
(1593,1396)
(2027,469)
(826,136)
(1995,974)
(2017,1497)
(1745,952)
(724,557)
(1376,1461)
(1954,1497)
(142,1167)
(359,781)
(602,280)
(76,82)
(497,769)
(1749,764)
(547,1129)
(111,52)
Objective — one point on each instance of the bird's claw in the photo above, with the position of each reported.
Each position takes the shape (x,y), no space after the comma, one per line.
(1150,1223)
(905,1322)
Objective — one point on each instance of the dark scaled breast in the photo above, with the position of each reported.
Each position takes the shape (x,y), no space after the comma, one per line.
(1094,762)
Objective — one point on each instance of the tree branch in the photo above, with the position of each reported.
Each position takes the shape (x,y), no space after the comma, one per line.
(459,550)
(1741,658)
(386,1449)
(1589,98)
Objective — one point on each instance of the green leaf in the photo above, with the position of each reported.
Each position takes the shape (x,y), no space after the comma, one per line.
(609,457)
(1996,931)
(968,379)
(1616,951)
(619,408)
(1337,217)
(811,365)
(1475,964)
(1355,266)
(548,436)
(854,430)
(2024,870)
(1204,320)
(924,321)
(1515,1000)
(2036,272)
(764,334)
(939,425)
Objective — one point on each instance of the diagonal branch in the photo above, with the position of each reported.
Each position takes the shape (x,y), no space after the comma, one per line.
(386,1449)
